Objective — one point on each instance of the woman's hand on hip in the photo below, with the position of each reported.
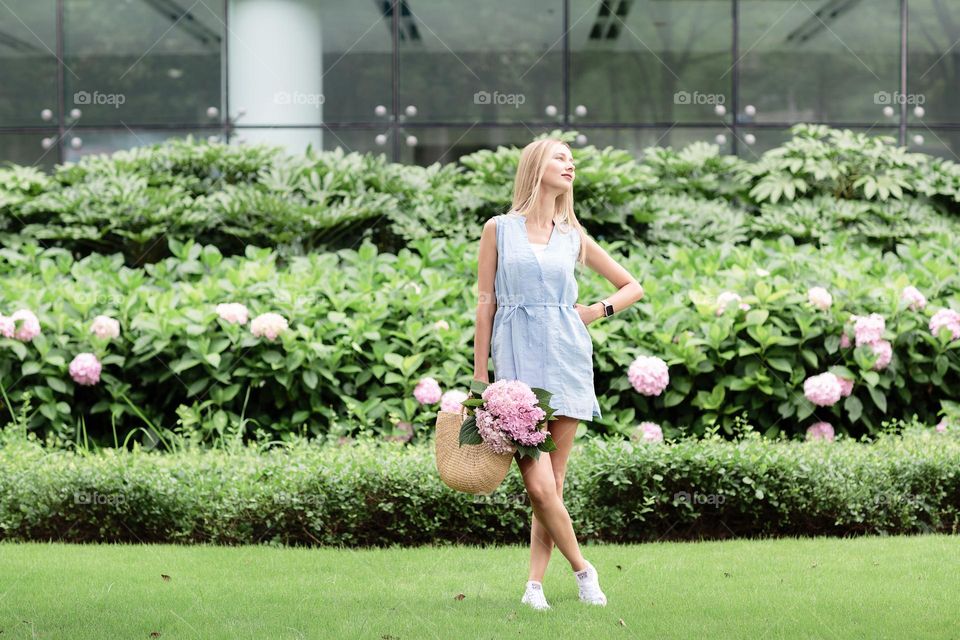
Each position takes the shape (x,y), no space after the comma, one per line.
(588,313)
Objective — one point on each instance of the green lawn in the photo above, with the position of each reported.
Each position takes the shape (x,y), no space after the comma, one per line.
(889,587)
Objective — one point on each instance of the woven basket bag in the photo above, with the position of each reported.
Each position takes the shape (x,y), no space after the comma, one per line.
(469,468)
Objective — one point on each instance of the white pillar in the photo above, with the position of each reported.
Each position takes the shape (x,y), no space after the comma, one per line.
(275,70)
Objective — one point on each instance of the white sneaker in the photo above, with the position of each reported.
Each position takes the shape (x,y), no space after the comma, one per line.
(534,596)
(589,582)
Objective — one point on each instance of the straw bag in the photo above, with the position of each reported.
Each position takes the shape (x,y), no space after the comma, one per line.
(469,468)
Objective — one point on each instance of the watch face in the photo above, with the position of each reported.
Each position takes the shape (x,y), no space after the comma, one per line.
(608,310)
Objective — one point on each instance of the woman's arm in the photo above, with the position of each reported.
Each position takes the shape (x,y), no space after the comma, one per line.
(628,289)
(487,299)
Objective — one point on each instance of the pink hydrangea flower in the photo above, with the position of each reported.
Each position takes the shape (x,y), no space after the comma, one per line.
(820,298)
(745,306)
(233,312)
(269,325)
(85,369)
(884,351)
(725,299)
(514,405)
(450,401)
(105,327)
(823,390)
(942,426)
(868,329)
(846,386)
(820,431)
(492,436)
(914,299)
(844,340)
(647,432)
(7,326)
(29,325)
(427,391)
(946,318)
(649,375)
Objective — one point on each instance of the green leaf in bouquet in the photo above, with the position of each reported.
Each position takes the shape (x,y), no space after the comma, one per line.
(473,402)
(469,433)
(543,396)
(548,445)
(531,452)
(478,386)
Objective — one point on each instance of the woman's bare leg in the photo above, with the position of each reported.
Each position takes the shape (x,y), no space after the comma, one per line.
(538,477)
(563,430)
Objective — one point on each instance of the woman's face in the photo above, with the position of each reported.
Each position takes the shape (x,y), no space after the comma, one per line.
(560,171)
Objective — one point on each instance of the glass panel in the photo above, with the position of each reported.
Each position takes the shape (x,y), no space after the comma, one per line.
(36,148)
(77,143)
(822,60)
(295,141)
(636,140)
(650,61)
(492,61)
(934,61)
(424,146)
(28,63)
(307,62)
(941,143)
(143,62)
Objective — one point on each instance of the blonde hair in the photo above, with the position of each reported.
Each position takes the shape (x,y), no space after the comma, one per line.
(526,188)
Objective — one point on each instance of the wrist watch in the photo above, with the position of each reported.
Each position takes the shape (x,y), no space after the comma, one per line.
(607,308)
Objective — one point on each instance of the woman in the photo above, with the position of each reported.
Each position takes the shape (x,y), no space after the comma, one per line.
(528,314)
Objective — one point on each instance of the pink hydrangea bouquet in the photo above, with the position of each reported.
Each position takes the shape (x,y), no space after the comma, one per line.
(509,417)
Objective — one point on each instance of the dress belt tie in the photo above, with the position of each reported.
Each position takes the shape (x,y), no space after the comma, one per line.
(516,337)
(536,304)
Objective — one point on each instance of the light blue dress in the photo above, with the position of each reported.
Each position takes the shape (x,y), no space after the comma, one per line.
(538,336)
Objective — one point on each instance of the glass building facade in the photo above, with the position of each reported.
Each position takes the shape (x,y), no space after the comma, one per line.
(430,80)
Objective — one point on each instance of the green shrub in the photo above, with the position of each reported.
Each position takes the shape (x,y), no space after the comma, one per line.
(688,224)
(230,196)
(362,333)
(375,493)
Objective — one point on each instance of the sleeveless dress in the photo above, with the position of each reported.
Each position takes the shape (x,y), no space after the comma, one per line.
(538,336)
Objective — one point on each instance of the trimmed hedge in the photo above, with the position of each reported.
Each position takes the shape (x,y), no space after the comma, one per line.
(372,493)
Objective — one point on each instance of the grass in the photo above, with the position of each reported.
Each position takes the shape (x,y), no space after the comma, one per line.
(877,587)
